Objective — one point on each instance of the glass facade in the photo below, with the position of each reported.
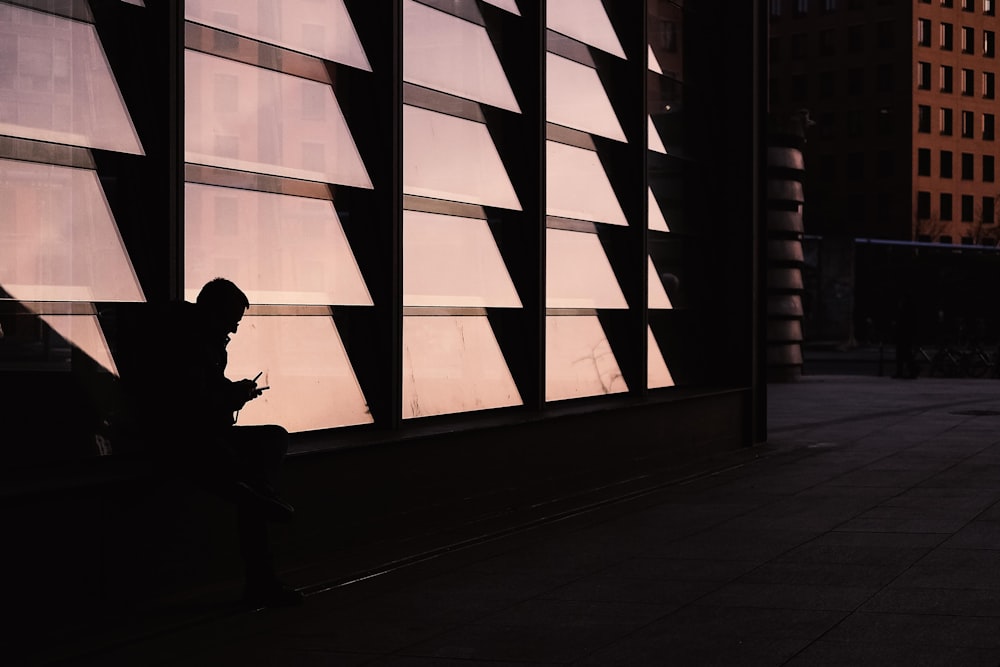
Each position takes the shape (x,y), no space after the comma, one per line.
(436,207)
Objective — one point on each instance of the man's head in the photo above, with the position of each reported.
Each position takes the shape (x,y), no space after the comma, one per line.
(224,304)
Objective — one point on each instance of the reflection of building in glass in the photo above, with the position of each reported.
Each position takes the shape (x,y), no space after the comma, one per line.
(487,211)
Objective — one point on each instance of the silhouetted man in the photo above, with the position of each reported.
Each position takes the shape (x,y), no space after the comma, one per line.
(194,431)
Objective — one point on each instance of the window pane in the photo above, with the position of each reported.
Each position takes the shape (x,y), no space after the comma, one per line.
(658,375)
(585,21)
(279,249)
(58,239)
(56,85)
(579,274)
(578,360)
(238,116)
(303,360)
(83,332)
(509,5)
(453,261)
(318,27)
(657,294)
(450,54)
(446,157)
(653,140)
(652,63)
(453,364)
(576,98)
(578,187)
(656,220)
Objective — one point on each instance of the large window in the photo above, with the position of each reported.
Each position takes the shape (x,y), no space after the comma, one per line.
(436,209)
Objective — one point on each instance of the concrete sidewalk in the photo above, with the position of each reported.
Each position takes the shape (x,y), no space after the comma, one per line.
(866,532)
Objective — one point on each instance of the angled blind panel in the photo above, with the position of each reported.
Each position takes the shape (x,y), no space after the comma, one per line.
(84,333)
(453,364)
(578,272)
(576,98)
(58,239)
(56,84)
(657,373)
(651,62)
(655,215)
(509,5)
(585,21)
(238,116)
(453,261)
(578,359)
(656,294)
(279,249)
(578,187)
(303,361)
(653,140)
(446,53)
(321,28)
(446,157)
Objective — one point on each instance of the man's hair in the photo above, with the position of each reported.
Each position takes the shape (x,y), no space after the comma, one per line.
(221,292)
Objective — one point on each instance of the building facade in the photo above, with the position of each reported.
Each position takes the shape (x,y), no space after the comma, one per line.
(488,244)
(903,96)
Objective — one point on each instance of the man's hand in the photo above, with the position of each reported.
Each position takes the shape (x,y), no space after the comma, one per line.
(247,390)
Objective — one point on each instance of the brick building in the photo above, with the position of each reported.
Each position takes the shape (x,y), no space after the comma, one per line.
(903,94)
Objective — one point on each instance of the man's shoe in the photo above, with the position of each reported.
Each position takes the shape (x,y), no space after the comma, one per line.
(273,594)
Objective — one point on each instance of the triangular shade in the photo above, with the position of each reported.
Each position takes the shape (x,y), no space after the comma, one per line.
(58,239)
(455,56)
(576,98)
(290,250)
(578,359)
(72,97)
(578,187)
(238,116)
(578,272)
(453,364)
(585,21)
(658,374)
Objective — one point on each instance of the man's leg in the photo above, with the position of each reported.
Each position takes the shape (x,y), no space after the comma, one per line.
(260,451)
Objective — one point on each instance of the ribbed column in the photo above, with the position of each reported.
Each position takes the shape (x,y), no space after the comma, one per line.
(784,289)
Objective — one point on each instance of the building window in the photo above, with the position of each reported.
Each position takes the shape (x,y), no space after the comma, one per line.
(947,3)
(968,120)
(801,7)
(945,239)
(988,167)
(989,121)
(855,123)
(945,166)
(946,37)
(923,162)
(945,74)
(989,83)
(944,206)
(799,87)
(924,32)
(923,76)
(774,49)
(989,43)
(968,40)
(988,8)
(855,81)
(776,8)
(886,163)
(945,121)
(829,5)
(968,82)
(799,46)
(855,38)
(884,35)
(923,206)
(883,122)
(826,87)
(856,166)
(989,211)
(827,43)
(968,203)
(968,168)
(884,79)
(923,118)
(968,5)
